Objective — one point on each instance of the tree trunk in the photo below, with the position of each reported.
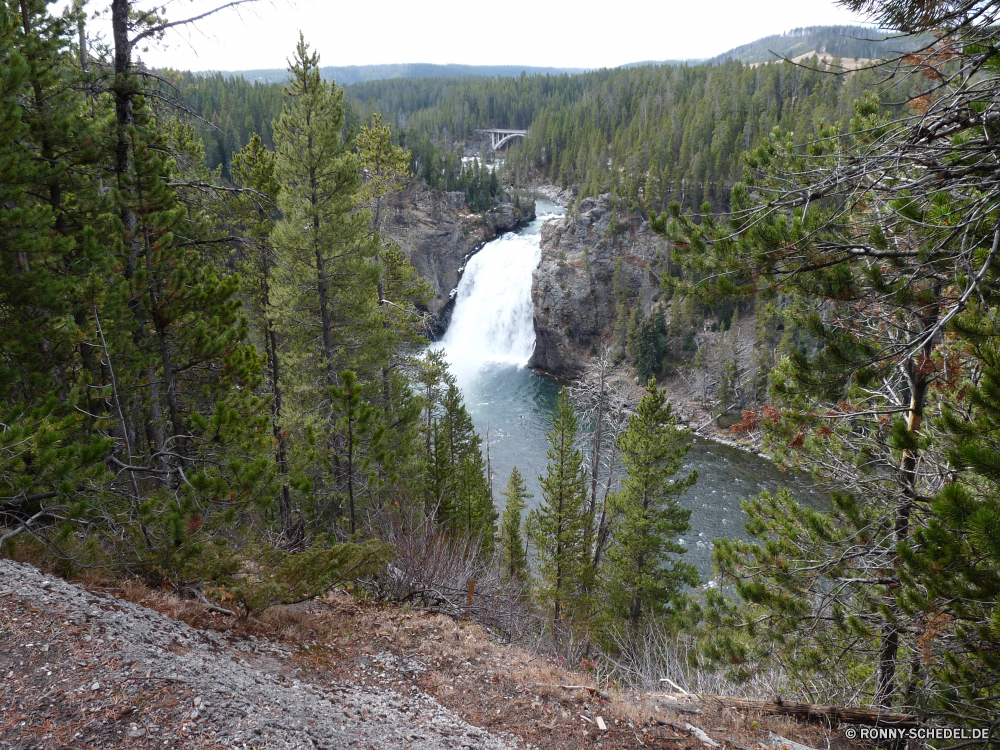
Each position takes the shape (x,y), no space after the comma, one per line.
(350,469)
(885,685)
(281,452)
(595,457)
(123,92)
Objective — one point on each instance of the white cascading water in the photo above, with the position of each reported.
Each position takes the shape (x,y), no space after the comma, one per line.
(492,318)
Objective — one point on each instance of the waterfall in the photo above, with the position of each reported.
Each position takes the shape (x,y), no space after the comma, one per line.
(492,318)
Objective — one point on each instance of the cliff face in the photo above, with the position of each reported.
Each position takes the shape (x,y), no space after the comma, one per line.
(572,289)
(438,234)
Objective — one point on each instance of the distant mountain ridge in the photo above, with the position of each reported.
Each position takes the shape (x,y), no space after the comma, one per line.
(854,42)
(345,75)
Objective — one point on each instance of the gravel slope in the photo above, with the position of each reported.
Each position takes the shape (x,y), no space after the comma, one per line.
(83,670)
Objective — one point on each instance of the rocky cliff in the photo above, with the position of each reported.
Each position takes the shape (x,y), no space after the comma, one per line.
(438,233)
(572,289)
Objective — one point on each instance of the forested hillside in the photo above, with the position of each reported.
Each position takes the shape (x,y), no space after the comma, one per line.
(345,75)
(656,135)
(652,134)
(214,375)
(858,42)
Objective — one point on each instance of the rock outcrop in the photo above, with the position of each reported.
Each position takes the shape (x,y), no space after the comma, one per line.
(572,290)
(438,233)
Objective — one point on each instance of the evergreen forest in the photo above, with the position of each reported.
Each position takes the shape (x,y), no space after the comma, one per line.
(215,373)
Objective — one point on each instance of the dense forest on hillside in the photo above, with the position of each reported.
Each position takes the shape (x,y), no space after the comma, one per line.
(214,374)
(346,75)
(651,134)
(856,42)
(656,135)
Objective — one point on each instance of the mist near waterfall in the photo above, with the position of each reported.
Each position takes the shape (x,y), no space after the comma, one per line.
(492,318)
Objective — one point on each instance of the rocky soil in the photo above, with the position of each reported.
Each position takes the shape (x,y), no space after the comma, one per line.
(438,233)
(572,289)
(85,670)
(82,668)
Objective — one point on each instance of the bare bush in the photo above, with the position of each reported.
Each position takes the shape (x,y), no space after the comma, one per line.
(433,569)
(659,659)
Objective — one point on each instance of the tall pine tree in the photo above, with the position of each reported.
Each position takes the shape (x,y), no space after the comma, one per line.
(561,527)
(641,574)
(510,540)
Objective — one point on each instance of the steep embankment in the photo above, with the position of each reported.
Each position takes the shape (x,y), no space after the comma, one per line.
(572,289)
(84,669)
(438,234)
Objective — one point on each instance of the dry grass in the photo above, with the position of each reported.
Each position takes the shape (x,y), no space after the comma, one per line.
(503,688)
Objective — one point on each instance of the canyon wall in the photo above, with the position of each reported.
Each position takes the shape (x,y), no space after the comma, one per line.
(572,288)
(438,234)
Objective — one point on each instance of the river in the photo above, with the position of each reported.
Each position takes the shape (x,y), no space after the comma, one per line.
(488,343)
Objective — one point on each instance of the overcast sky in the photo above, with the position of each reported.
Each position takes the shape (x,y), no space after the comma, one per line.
(583,33)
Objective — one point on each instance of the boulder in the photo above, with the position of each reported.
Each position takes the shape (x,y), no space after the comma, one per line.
(572,288)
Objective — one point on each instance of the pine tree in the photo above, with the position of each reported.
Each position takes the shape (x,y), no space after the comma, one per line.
(190,372)
(359,426)
(561,528)
(325,294)
(821,591)
(468,507)
(327,280)
(951,578)
(400,291)
(647,343)
(52,469)
(510,541)
(455,488)
(254,169)
(641,574)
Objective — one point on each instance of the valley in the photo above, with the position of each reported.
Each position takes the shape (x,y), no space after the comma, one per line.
(498,407)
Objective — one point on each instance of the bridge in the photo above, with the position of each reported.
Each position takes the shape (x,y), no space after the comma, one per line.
(500,138)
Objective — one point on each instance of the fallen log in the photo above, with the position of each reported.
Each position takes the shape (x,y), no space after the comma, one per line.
(809,711)
(690,730)
(778,742)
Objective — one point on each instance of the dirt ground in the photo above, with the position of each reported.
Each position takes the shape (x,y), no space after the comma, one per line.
(501,688)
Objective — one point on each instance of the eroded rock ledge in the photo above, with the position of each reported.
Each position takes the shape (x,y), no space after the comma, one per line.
(572,289)
(438,233)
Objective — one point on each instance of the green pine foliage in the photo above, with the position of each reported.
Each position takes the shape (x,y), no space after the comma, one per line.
(951,578)
(647,342)
(324,296)
(641,577)
(134,383)
(562,527)
(454,485)
(295,577)
(361,435)
(510,539)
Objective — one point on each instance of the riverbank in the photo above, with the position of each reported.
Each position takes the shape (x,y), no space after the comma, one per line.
(574,306)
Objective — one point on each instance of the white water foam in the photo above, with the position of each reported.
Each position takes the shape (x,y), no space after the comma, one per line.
(492,319)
